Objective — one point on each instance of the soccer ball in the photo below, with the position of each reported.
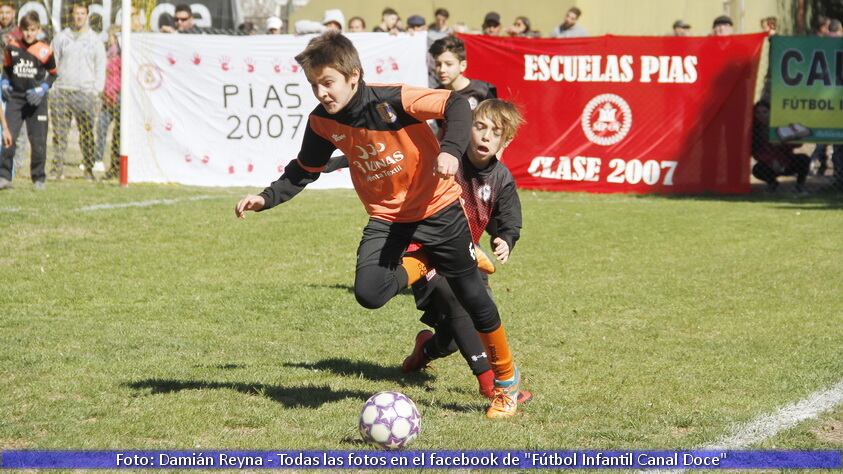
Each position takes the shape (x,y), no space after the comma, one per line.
(389,420)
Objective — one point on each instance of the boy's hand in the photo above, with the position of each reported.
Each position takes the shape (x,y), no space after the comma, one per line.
(7,138)
(501,249)
(248,203)
(447,165)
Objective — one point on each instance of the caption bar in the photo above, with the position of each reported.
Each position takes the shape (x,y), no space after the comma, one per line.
(422,459)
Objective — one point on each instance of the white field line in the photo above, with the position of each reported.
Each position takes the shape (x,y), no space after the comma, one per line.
(767,426)
(9,209)
(151,202)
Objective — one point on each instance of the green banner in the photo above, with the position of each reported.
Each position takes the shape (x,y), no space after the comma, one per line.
(807,89)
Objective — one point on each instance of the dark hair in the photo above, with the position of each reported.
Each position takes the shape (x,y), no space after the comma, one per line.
(75,5)
(526,22)
(576,11)
(183,7)
(442,12)
(389,11)
(28,19)
(448,44)
(331,49)
(8,3)
(357,18)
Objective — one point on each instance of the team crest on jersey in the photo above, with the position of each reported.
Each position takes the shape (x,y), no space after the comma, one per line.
(387,113)
(484,193)
(43,53)
(472,102)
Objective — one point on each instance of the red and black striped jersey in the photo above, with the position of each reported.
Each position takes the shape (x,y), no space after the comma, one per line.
(490,201)
(391,150)
(28,65)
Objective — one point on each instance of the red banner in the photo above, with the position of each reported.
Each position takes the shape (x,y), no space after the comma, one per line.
(626,114)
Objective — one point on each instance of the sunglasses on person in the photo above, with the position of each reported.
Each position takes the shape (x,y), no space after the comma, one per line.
(180,19)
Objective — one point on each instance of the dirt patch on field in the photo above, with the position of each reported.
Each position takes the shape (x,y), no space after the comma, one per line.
(830,432)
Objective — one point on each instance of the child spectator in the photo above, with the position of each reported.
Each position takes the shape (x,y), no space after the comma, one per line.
(29,70)
(775,159)
(110,111)
(389,22)
(356,25)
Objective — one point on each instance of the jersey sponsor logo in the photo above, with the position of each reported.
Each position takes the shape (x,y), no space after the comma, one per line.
(369,150)
(14,54)
(338,138)
(386,112)
(606,119)
(484,193)
(25,68)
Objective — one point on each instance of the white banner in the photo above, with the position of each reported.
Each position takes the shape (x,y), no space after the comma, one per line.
(231,111)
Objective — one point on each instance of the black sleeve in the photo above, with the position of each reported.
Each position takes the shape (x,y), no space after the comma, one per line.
(506,216)
(287,186)
(335,163)
(50,66)
(315,153)
(493,92)
(458,125)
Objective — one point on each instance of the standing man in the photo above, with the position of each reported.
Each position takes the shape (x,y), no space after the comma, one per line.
(81,64)
(569,28)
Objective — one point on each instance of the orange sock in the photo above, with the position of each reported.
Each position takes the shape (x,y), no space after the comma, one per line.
(500,357)
(415,263)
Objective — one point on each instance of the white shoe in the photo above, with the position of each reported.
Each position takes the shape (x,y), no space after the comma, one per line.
(99,167)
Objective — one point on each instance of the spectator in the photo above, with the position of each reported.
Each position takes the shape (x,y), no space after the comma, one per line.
(492,24)
(775,159)
(274,25)
(81,77)
(183,20)
(521,28)
(439,28)
(821,25)
(389,22)
(110,111)
(570,28)
(450,63)
(29,69)
(416,23)
(681,28)
(722,26)
(333,20)
(7,22)
(247,28)
(769,25)
(356,25)
(835,29)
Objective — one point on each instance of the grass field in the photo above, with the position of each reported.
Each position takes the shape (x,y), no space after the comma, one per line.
(639,322)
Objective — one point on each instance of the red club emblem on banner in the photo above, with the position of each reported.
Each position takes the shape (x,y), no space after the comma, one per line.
(606,119)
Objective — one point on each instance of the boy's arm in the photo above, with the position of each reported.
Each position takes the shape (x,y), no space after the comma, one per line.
(506,216)
(425,104)
(314,154)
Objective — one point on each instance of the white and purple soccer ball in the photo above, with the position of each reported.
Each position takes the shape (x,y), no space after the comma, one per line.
(390,420)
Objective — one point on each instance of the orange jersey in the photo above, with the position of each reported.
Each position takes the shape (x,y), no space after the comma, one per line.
(391,150)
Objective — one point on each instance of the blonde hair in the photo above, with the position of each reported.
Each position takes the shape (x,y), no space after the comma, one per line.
(505,115)
(330,49)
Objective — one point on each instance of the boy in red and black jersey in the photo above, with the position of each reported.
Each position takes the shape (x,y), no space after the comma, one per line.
(29,70)
(405,181)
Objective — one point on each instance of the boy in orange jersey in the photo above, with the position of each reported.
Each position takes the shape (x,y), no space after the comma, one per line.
(405,180)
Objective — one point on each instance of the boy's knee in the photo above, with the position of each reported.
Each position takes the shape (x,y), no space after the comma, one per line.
(370,299)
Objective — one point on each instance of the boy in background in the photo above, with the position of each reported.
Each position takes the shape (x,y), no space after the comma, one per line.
(405,180)
(29,69)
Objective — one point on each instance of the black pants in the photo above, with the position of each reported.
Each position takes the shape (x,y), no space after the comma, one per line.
(447,243)
(19,111)
(799,166)
(453,327)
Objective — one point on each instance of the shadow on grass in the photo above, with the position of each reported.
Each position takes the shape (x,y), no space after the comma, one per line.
(335,286)
(368,370)
(292,397)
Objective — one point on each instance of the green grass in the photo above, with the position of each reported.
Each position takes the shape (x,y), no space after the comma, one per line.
(639,322)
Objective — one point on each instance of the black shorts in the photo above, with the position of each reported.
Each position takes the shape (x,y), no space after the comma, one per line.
(444,235)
